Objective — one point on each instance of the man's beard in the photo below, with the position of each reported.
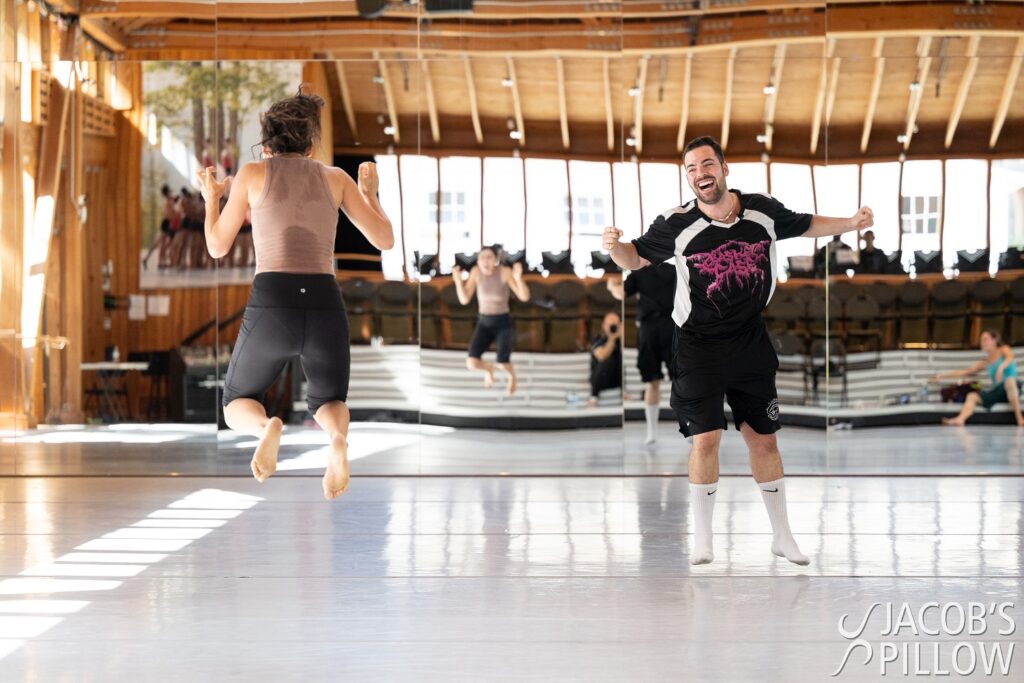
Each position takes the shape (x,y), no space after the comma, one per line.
(717,192)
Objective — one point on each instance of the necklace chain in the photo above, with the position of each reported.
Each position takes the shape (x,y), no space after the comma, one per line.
(728,215)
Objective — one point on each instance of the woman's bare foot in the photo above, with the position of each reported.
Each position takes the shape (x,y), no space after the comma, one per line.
(1020,420)
(488,378)
(264,460)
(954,421)
(510,388)
(336,476)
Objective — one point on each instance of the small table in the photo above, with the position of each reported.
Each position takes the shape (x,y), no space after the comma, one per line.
(108,371)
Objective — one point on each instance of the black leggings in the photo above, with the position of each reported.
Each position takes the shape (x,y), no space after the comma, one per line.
(497,329)
(292,315)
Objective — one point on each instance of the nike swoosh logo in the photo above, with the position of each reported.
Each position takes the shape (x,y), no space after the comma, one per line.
(769,490)
(710,492)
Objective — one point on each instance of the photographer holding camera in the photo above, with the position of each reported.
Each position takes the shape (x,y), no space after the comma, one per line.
(606,358)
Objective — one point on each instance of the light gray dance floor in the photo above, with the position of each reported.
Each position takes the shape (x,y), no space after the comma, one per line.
(404,449)
(488,578)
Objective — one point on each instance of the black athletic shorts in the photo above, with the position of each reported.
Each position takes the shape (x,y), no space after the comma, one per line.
(740,370)
(491,329)
(654,347)
(291,315)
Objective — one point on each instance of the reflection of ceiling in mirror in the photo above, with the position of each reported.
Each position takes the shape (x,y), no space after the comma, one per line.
(599,79)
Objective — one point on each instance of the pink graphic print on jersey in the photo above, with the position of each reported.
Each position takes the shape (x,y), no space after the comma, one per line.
(733,264)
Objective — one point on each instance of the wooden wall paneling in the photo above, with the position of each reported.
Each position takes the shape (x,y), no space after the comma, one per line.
(11,221)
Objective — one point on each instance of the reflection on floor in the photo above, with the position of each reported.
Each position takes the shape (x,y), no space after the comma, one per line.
(410,449)
(481,579)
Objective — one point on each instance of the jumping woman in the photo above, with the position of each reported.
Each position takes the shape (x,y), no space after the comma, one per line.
(295,308)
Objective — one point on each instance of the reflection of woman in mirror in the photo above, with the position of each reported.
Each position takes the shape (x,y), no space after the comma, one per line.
(1002,371)
(295,309)
(655,291)
(492,282)
(168,226)
(227,158)
(606,358)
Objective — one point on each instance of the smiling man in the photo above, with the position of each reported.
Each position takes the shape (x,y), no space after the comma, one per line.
(723,246)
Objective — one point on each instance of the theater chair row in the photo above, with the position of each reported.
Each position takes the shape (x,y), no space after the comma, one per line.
(948,315)
(559,317)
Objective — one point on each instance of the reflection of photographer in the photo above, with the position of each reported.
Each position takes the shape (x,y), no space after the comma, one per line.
(606,358)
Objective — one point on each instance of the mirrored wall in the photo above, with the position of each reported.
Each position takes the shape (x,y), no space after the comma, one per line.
(497,336)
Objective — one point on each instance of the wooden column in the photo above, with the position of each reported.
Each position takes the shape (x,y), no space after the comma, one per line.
(12,414)
(314,74)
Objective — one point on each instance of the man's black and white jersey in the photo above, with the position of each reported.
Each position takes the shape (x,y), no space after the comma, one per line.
(725,273)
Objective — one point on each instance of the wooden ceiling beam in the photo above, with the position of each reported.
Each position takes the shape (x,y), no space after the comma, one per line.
(389,96)
(924,64)
(638,103)
(772,98)
(684,110)
(833,86)
(730,68)
(517,105)
(328,27)
(876,89)
(1008,90)
(919,18)
(108,36)
(482,9)
(346,98)
(428,89)
(474,109)
(609,116)
(965,86)
(819,103)
(563,113)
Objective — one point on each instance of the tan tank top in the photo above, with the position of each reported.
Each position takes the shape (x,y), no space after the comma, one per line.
(491,293)
(295,219)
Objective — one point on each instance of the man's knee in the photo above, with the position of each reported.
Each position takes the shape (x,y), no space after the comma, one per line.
(706,445)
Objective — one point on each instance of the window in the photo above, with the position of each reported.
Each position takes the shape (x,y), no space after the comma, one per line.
(591,184)
(919,215)
(1007,197)
(835,187)
(964,226)
(920,199)
(879,185)
(627,199)
(588,213)
(391,202)
(791,185)
(547,215)
(659,190)
(460,208)
(748,177)
(419,203)
(504,210)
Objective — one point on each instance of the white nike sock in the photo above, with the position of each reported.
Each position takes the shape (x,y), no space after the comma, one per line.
(702,502)
(651,415)
(783,543)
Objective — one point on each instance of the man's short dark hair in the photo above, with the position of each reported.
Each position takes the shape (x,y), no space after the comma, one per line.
(705,141)
(868,232)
